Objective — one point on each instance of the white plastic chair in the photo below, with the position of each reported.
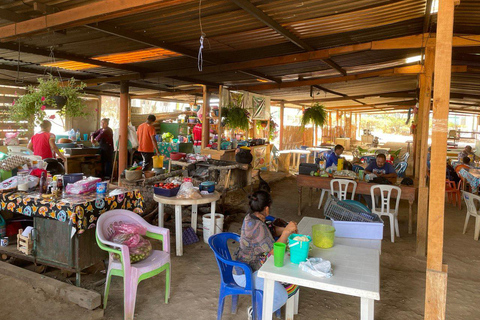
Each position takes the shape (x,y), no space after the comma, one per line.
(470,199)
(324,191)
(384,209)
(132,274)
(341,190)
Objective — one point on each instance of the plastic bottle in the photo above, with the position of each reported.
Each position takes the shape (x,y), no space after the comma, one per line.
(77,135)
(71,134)
(43,183)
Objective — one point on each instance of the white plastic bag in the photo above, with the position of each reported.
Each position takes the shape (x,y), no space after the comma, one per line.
(317,267)
(188,191)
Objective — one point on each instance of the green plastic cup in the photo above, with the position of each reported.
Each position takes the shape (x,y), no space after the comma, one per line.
(361,174)
(279,253)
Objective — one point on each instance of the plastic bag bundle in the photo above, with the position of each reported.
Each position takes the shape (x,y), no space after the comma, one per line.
(317,267)
(188,191)
(130,235)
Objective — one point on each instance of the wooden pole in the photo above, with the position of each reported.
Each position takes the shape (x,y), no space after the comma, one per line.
(426,79)
(220,128)
(205,118)
(123,131)
(436,283)
(330,130)
(280,134)
(304,133)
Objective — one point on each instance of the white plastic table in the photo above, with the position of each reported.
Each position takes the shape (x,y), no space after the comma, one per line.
(296,159)
(178,203)
(317,150)
(356,272)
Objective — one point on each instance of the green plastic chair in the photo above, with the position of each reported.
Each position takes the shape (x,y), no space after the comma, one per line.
(132,274)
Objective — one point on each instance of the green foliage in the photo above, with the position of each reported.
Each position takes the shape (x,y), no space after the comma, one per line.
(235,117)
(272,133)
(32,105)
(315,115)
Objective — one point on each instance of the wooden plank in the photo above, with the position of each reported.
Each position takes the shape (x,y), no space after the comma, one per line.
(89,13)
(12,91)
(220,127)
(434,304)
(205,118)
(425,101)
(123,131)
(281,124)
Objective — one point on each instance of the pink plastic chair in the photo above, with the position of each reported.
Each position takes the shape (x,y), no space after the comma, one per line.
(132,274)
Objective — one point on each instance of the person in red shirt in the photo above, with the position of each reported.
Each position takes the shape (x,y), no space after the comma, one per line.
(104,137)
(147,143)
(43,143)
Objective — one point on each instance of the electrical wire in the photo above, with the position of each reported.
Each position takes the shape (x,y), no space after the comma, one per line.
(202,38)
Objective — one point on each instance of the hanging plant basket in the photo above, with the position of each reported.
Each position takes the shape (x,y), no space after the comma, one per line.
(315,115)
(60,102)
(49,94)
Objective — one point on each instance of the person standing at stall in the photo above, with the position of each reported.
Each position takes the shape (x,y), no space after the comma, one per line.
(43,143)
(147,143)
(104,137)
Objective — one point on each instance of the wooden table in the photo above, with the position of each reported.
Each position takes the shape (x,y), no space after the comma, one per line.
(178,203)
(408,192)
(70,162)
(356,272)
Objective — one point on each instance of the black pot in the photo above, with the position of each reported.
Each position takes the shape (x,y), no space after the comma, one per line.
(244,156)
(60,101)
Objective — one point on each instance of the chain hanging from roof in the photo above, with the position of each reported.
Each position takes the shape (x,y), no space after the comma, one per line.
(17,78)
(202,38)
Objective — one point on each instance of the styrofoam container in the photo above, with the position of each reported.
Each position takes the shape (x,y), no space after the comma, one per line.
(359,230)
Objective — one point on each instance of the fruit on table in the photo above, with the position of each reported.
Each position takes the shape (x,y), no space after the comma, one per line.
(170,185)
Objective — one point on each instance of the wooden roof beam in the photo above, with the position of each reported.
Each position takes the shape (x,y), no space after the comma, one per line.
(12,16)
(336,93)
(77,16)
(270,22)
(397,94)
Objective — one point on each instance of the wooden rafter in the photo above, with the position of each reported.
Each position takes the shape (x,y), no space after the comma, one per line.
(270,22)
(396,94)
(12,16)
(77,16)
(337,93)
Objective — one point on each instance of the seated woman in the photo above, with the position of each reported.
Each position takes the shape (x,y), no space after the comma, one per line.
(256,244)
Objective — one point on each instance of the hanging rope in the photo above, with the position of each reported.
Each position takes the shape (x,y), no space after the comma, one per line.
(17,79)
(202,38)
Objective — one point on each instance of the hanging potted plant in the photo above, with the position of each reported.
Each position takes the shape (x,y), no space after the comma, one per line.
(235,117)
(49,94)
(315,115)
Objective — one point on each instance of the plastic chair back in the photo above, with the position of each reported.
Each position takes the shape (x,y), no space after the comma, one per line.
(385,196)
(405,156)
(357,168)
(401,168)
(340,187)
(470,199)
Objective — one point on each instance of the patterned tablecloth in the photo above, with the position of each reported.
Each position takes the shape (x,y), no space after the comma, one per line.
(472,179)
(166,148)
(81,211)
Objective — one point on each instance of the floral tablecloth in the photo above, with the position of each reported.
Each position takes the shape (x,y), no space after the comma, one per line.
(473,180)
(81,211)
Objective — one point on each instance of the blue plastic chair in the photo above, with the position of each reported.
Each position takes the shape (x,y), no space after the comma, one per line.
(228,287)
(400,168)
(357,168)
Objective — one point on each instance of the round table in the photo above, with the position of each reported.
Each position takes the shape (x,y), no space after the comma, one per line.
(178,203)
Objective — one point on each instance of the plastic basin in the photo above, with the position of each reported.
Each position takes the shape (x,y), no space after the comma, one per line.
(323,236)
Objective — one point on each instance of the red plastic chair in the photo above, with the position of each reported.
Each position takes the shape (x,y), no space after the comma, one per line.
(453,193)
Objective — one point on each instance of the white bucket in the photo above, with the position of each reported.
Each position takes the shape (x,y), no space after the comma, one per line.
(207,223)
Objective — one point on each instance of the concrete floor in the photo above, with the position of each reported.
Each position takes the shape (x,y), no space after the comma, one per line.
(195,277)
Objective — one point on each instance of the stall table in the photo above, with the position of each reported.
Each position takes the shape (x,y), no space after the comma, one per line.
(356,272)
(64,234)
(178,203)
(363,187)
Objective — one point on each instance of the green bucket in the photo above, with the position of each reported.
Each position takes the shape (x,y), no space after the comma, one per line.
(298,249)
(3,231)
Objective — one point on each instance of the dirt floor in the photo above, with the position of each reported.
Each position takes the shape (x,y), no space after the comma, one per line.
(195,277)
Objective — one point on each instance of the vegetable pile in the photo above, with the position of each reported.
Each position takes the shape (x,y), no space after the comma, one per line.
(170,185)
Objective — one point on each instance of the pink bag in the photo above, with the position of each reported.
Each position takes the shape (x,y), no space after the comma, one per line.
(130,234)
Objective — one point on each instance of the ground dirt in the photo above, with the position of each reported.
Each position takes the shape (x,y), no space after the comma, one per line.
(195,277)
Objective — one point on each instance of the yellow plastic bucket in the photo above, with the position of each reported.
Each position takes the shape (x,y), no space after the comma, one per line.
(340,164)
(323,235)
(158,161)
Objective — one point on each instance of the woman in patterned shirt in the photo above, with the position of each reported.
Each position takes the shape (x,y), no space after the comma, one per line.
(256,244)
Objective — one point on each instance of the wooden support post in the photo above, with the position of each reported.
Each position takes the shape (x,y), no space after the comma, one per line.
(426,79)
(123,131)
(220,127)
(435,295)
(282,123)
(304,133)
(205,118)
(330,130)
